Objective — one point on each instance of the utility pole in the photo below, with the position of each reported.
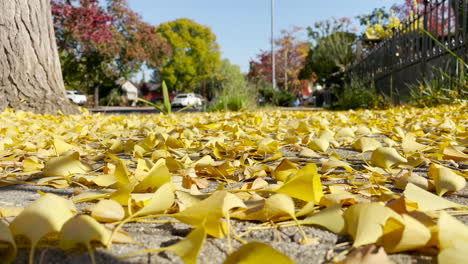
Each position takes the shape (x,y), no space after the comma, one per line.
(273,66)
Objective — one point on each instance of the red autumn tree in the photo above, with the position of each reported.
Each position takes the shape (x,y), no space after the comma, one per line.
(100,45)
(289,58)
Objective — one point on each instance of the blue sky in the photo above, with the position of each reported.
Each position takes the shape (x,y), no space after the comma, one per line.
(242,27)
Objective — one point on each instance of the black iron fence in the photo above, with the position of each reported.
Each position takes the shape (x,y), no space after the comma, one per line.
(410,55)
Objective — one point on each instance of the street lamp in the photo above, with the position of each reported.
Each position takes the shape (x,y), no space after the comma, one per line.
(273,66)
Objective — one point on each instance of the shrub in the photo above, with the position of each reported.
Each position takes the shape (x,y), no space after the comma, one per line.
(284,98)
(278,98)
(436,91)
(359,93)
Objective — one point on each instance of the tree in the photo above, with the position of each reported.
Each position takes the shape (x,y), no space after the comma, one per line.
(195,54)
(378,15)
(290,57)
(30,74)
(99,45)
(331,52)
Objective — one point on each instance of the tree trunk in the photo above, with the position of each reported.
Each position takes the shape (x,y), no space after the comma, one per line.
(30,73)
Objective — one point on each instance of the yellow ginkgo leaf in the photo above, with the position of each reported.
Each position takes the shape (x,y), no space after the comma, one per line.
(121,173)
(256,252)
(445,179)
(157,176)
(410,146)
(334,163)
(308,153)
(32,164)
(450,152)
(7,244)
(386,157)
(162,200)
(363,131)
(275,207)
(44,216)
(81,230)
(65,166)
(61,146)
(204,162)
(89,196)
(453,240)
(427,201)
(365,144)
(404,234)
(285,169)
(454,255)
(305,185)
(116,146)
(187,249)
(364,222)
(344,132)
(123,193)
(104,180)
(10,211)
(319,144)
(108,211)
(330,218)
(267,146)
(210,211)
(410,177)
(450,231)
(341,198)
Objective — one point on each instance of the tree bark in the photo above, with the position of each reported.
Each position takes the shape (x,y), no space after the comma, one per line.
(30,73)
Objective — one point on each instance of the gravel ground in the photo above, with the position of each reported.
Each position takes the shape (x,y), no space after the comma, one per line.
(214,250)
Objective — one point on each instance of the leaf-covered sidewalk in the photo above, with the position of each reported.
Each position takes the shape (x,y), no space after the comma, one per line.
(207,187)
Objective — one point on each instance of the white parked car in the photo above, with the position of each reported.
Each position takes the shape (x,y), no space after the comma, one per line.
(186,99)
(76,97)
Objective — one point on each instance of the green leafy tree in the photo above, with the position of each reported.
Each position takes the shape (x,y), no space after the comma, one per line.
(195,55)
(331,52)
(232,92)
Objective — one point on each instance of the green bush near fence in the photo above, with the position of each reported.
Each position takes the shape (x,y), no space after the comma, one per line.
(360,93)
